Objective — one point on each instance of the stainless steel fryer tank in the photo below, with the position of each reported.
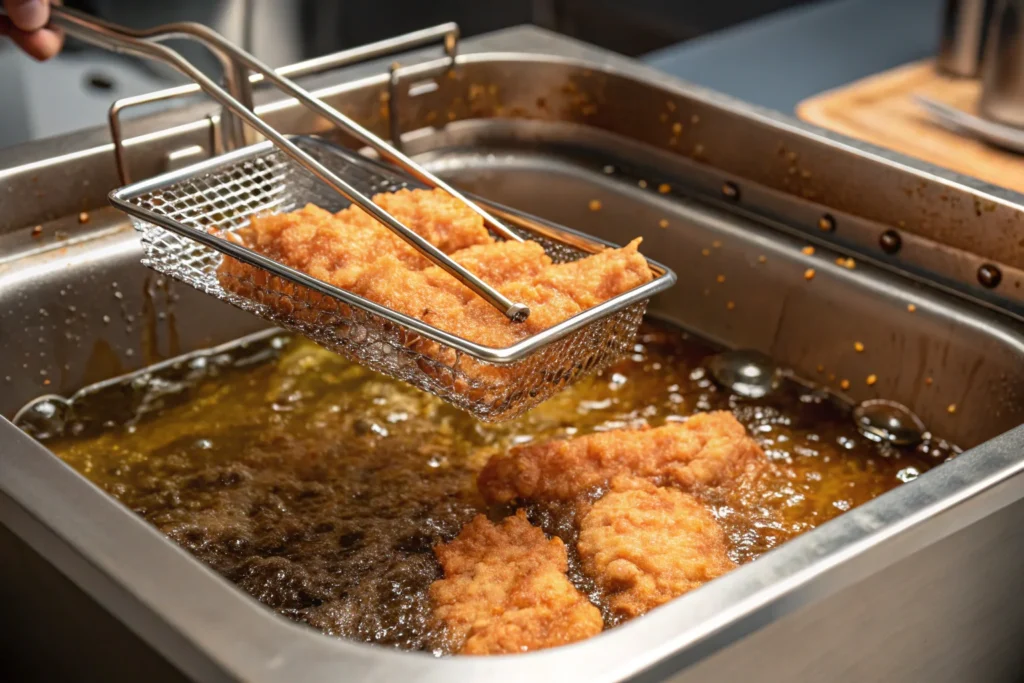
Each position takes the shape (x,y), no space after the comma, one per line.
(916,585)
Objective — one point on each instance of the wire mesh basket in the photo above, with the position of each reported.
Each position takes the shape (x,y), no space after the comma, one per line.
(182,215)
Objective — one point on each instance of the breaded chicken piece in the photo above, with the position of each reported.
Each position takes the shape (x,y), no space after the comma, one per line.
(352,251)
(645,546)
(337,248)
(438,217)
(501,263)
(505,590)
(709,449)
(595,279)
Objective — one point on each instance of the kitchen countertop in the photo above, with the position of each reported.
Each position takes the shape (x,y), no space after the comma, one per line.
(779,60)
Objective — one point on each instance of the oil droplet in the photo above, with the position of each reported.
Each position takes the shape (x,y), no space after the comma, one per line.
(908,474)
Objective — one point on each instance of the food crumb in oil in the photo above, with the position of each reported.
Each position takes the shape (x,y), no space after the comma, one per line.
(730,305)
(37,231)
(664,188)
(872,378)
(928,381)
(858,347)
(642,184)
(911,308)
(716,244)
(695,119)
(849,263)
(808,250)
(677,128)
(595,205)
(831,377)
(951,408)
(83,217)
(762,259)
(663,223)
(844,384)
(705,252)
(821,368)
(720,279)
(809,274)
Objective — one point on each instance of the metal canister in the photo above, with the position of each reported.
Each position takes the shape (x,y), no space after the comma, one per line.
(964,28)
(1002,93)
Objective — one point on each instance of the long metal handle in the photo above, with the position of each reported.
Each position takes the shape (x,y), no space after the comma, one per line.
(143,43)
(447,32)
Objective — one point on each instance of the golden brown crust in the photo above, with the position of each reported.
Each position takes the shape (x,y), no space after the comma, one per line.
(505,590)
(709,449)
(352,251)
(643,546)
(438,217)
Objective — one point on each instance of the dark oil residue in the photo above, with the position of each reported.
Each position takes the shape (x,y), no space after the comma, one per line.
(321,488)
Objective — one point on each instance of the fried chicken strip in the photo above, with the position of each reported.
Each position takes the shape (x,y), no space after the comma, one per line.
(352,251)
(709,449)
(643,546)
(505,590)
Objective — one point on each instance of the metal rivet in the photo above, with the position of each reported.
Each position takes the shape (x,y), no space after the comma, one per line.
(989,276)
(827,223)
(746,373)
(881,420)
(890,241)
(730,190)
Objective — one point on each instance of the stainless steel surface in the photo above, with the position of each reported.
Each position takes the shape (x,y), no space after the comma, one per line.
(174,213)
(1002,78)
(146,44)
(912,586)
(950,225)
(964,27)
(992,132)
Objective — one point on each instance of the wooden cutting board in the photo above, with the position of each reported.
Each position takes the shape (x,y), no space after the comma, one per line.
(879,110)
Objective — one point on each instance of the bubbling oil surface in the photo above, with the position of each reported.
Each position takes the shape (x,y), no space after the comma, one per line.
(321,488)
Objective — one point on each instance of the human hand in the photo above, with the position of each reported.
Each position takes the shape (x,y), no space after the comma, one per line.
(25,23)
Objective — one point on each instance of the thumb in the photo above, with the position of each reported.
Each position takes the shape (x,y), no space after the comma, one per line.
(28,15)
